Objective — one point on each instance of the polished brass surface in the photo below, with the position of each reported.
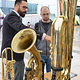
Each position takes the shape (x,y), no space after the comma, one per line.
(23,41)
(9,64)
(62,39)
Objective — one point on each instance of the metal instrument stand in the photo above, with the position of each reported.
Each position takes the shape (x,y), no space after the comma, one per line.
(55,69)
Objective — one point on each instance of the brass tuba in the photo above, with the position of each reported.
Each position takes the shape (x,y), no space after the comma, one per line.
(24,41)
(61,40)
(9,64)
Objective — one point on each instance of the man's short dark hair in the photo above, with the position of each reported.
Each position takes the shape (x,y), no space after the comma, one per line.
(44,7)
(19,1)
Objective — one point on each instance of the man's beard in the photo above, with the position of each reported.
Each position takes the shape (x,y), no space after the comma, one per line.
(22,14)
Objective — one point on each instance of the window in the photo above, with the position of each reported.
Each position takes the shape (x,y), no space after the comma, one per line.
(78,10)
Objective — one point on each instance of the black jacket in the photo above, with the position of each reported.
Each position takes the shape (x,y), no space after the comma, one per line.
(11,25)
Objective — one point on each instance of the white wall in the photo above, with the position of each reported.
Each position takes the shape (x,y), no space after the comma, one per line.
(53,5)
(32,18)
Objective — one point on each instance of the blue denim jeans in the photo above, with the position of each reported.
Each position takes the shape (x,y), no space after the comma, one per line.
(47,61)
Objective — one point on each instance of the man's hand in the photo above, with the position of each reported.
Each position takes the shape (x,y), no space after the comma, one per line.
(48,38)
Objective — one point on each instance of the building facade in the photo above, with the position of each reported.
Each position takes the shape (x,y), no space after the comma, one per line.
(7,6)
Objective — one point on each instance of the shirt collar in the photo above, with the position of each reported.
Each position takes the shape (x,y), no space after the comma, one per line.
(16,13)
